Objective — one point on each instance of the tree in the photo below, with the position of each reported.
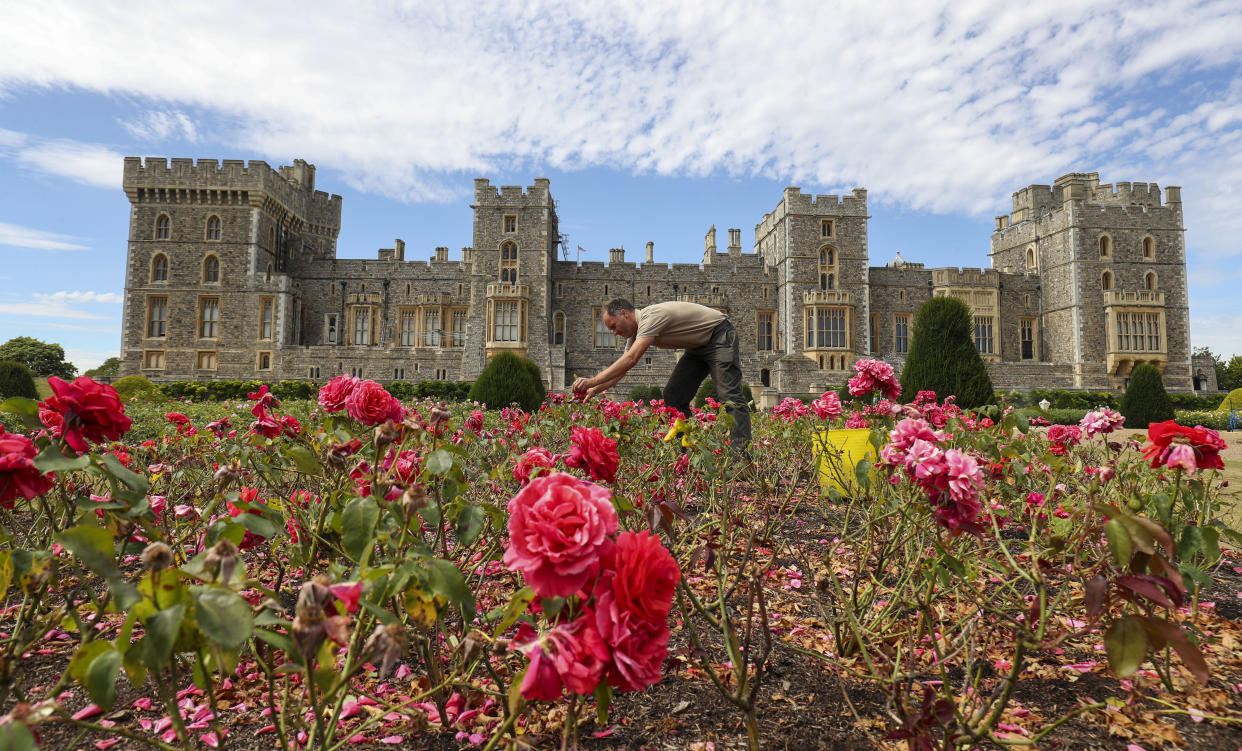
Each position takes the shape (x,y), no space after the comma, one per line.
(108,369)
(1229,375)
(943,357)
(1145,400)
(16,380)
(509,378)
(42,358)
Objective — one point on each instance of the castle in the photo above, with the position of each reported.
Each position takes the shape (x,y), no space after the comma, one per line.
(232,273)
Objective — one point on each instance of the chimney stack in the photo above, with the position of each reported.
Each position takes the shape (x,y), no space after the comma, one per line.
(650,252)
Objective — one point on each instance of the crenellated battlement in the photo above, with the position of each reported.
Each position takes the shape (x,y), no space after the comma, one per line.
(1083,191)
(965,277)
(794,201)
(486,194)
(293,186)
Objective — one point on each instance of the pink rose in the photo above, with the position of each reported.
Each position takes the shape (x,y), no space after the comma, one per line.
(84,411)
(333,394)
(535,458)
(371,404)
(637,647)
(18,476)
(593,451)
(559,526)
(571,655)
(828,406)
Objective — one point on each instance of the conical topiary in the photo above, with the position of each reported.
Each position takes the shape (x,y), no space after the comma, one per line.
(16,380)
(943,357)
(1145,400)
(507,379)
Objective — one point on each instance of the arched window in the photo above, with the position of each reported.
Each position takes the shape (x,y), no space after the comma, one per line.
(509,263)
(558,328)
(832,281)
(213,228)
(823,281)
(163,227)
(268,278)
(211,269)
(827,267)
(159,268)
(832,261)
(1106,246)
(1149,280)
(1149,247)
(1106,281)
(1031,261)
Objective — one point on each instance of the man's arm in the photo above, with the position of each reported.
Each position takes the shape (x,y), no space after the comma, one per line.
(615,372)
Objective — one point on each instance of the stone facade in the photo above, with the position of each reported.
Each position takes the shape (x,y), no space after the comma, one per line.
(232,274)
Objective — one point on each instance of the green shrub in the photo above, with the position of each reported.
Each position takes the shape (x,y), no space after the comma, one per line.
(708,388)
(16,380)
(1066,416)
(1196,402)
(136,386)
(507,379)
(646,393)
(1233,400)
(942,355)
(1145,400)
(1207,418)
(451,391)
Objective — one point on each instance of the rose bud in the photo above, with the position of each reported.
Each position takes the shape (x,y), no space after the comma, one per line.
(316,592)
(440,413)
(473,645)
(222,558)
(413,499)
(385,645)
(307,629)
(157,556)
(384,435)
(229,473)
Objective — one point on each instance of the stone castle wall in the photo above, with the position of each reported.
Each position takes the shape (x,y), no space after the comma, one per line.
(276,250)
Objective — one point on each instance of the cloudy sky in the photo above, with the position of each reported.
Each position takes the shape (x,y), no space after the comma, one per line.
(653,120)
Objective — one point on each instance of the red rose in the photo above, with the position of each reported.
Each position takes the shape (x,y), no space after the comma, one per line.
(571,655)
(1172,445)
(18,475)
(370,404)
(333,394)
(641,576)
(559,526)
(535,458)
(249,496)
(637,647)
(85,411)
(594,452)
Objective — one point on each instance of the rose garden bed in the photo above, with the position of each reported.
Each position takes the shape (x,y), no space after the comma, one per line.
(366,573)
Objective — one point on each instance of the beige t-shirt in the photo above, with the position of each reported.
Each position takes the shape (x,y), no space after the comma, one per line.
(677,325)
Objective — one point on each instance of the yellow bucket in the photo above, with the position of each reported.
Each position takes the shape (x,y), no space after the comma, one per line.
(837,453)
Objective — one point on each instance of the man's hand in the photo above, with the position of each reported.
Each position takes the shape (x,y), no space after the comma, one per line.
(582,384)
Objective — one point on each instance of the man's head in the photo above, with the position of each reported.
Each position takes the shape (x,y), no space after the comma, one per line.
(619,317)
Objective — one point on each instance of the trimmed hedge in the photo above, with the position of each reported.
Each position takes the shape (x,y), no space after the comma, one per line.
(507,379)
(1146,401)
(646,393)
(1089,400)
(139,387)
(943,357)
(16,380)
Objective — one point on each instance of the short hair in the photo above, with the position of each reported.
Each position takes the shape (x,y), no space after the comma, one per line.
(618,304)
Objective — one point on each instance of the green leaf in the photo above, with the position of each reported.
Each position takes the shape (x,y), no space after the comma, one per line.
(1126,645)
(16,736)
(129,478)
(1118,541)
(279,641)
(603,701)
(162,629)
(862,473)
(303,458)
(223,616)
(51,460)
(28,409)
(1021,421)
(358,520)
(513,610)
(446,580)
(92,546)
(954,565)
(82,659)
(430,513)
(101,678)
(6,572)
(469,524)
(439,462)
(258,524)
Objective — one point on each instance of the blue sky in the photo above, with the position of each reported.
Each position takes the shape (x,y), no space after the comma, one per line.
(652,120)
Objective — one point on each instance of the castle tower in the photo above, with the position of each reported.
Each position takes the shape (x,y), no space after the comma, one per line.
(1111,264)
(208,292)
(515,237)
(818,246)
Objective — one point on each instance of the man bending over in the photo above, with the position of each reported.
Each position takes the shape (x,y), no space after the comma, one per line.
(710,344)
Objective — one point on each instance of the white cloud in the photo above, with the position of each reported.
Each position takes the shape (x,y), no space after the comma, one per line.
(1218,332)
(161,125)
(947,108)
(16,236)
(84,360)
(90,164)
(46,310)
(78,296)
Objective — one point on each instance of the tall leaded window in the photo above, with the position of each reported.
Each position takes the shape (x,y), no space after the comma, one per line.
(1026,331)
(1106,246)
(267,314)
(209,318)
(558,328)
(157,317)
(901,333)
(1138,332)
(827,268)
(213,228)
(362,325)
(1149,247)
(763,330)
(1106,281)
(159,268)
(505,323)
(458,332)
(509,263)
(163,227)
(432,329)
(826,327)
(211,270)
(983,335)
(604,338)
(409,327)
